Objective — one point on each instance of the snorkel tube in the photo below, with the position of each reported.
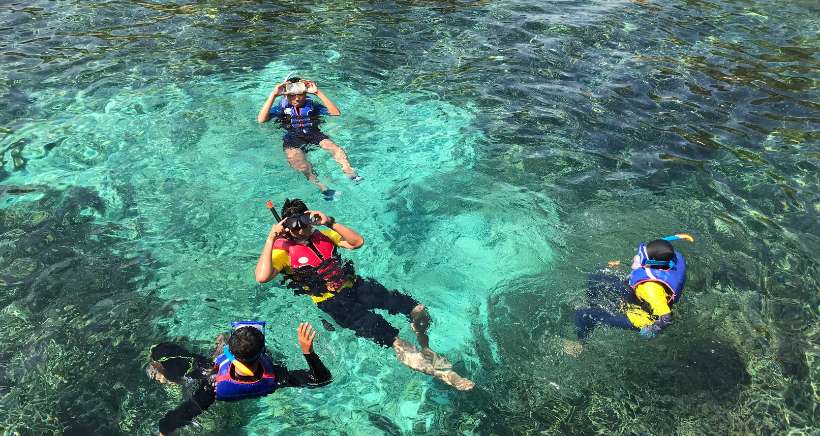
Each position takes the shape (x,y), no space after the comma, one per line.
(679,236)
(273,211)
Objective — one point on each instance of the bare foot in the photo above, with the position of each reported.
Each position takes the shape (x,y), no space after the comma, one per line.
(612,264)
(439,362)
(572,348)
(409,355)
(414,359)
(156,372)
(451,378)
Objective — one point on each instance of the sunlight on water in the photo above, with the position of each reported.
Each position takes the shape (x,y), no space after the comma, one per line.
(506,149)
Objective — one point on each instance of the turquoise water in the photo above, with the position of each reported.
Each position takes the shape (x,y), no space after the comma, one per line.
(507,149)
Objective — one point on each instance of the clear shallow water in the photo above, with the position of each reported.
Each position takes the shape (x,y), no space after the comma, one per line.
(507,149)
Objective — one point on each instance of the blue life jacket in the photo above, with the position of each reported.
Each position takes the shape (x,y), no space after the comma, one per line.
(672,278)
(302,119)
(231,389)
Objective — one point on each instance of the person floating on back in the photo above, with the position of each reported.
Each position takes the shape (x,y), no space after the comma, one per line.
(312,265)
(642,304)
(242,368)
(300,116)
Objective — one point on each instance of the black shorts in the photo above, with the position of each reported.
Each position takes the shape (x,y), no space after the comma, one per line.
(352,307)
(301,140)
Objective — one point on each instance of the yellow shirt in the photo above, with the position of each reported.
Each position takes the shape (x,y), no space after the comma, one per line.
(654,294)
(280,260)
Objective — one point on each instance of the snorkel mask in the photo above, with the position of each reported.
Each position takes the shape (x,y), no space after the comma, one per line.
(297,222)
(295,85)
(241,367)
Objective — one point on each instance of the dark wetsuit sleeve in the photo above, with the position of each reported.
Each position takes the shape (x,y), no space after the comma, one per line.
(187,411)
(317,375)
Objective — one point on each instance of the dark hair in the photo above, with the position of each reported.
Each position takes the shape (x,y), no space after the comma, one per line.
(246,343)
(294,79)
(660,249)
(293,207)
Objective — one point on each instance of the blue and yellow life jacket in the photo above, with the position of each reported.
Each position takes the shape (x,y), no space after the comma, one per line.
(301,118)
(672,278)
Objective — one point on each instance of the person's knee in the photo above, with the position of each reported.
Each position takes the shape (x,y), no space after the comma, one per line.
(329,145)
(300,166)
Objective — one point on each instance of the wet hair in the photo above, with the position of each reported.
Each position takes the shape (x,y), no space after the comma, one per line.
(293,207)
(246,343)
(660,249)
(294,79)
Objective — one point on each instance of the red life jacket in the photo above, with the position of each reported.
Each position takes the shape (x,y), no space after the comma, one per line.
(317,257)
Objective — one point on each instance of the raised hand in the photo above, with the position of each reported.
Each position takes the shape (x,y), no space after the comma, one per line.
(277,229)
(312,87)
(322,218)
(306,335)
(279,89)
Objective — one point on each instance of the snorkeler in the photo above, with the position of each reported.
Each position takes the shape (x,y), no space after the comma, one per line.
(242,368)
(299,116)
(644,303)
(312,265)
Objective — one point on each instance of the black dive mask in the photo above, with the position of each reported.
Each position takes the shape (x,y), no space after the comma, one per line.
(297,222)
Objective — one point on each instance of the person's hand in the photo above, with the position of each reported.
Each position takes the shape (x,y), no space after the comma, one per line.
(636,262)
(322,218)
(306,335)
(279,89)
(612,264)
(277,230)
(650,331)
(312,87)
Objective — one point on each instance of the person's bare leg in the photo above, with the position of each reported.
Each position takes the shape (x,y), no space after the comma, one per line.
(339,155)
(433,364)
(410,356)
(298,161)
(420,322)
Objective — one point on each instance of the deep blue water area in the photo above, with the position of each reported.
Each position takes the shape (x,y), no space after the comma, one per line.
(508,149)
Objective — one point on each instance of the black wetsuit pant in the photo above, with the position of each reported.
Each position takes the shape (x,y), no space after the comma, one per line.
(352,308)
(606,292)
(179,365)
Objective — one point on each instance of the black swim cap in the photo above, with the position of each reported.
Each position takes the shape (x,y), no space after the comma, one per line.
(660,249)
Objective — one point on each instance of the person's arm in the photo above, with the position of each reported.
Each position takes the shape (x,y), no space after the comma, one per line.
(265,270)
(332,109)
(264,112)
(190,409)
(317,375)
(350,238)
